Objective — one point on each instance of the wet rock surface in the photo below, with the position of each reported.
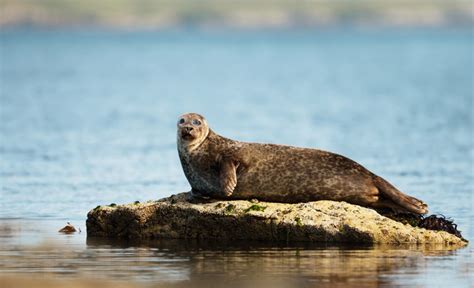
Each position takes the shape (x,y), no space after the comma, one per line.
(180,216)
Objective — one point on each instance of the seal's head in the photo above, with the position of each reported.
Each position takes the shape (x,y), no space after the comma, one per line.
(192,130)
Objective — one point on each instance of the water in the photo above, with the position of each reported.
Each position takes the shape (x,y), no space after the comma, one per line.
(88,118)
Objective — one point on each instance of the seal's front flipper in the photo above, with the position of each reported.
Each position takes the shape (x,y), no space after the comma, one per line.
(228,176)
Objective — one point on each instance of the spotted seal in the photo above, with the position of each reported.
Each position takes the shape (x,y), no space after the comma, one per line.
(218,167)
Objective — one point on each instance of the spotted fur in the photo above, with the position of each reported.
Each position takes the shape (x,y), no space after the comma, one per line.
(219,167)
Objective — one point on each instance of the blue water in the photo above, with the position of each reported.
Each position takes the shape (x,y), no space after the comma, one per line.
(88,118)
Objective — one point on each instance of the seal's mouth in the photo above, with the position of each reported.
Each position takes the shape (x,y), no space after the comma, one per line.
(186,134)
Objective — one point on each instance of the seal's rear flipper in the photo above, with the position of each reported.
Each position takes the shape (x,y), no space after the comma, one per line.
(409,203)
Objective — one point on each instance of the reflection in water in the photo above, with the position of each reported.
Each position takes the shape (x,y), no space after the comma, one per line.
(300,263)
(200,263)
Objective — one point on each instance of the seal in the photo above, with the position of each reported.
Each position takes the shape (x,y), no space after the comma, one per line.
(218,167)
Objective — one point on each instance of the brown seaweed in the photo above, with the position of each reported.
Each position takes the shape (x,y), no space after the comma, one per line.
(440,223)
(433,222)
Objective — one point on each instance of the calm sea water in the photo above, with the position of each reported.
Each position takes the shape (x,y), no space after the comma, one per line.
(88,118)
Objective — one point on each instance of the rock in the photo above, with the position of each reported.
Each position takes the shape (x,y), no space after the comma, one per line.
(320,221)
(68,229)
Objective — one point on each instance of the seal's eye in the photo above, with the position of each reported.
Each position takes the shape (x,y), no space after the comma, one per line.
(181,121)
(196,122)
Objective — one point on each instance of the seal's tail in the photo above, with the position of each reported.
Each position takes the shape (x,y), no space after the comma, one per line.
(409,203)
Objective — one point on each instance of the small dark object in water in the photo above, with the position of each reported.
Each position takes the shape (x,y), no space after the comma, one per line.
(440,223)
(68,229)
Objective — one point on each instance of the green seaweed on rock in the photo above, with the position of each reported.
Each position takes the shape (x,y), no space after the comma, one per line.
(255,207)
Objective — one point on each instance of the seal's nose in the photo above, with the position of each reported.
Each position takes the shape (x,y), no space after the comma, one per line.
(188,129)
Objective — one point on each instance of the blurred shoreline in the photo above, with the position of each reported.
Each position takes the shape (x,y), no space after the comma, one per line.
(246,15)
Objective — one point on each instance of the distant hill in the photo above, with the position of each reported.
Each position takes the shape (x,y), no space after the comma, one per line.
(150,14)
